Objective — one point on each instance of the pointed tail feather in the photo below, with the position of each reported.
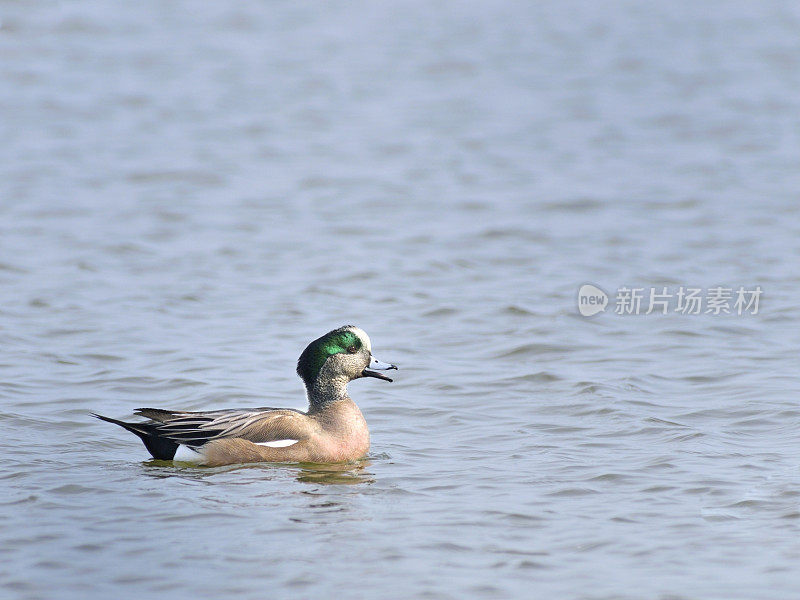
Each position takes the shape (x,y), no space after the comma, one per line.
(155,414)
(159,447)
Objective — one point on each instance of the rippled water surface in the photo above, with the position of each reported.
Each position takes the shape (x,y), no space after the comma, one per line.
(191,192)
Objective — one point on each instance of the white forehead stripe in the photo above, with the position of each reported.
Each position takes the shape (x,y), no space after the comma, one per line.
(278,443)
(363,335)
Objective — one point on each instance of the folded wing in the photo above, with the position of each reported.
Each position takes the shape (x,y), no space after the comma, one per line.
(258,425)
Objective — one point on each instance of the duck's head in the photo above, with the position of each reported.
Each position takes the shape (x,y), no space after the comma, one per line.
(340,356)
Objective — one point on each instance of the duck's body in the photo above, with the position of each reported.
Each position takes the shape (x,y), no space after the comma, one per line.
(332,430)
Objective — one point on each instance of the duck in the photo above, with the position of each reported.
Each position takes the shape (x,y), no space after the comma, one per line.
(331,430)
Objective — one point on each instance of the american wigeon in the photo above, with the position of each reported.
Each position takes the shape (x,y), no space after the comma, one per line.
(332,430)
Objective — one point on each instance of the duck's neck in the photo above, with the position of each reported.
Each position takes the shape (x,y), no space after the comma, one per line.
(325,391)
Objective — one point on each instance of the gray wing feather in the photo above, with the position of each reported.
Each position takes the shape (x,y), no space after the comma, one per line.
(198,428)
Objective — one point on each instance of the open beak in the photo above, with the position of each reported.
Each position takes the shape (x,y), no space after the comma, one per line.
(375,364)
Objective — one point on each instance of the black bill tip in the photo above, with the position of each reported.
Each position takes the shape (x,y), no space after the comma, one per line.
(376,375)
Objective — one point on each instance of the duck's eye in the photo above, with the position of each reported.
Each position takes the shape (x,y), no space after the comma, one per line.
(352,350)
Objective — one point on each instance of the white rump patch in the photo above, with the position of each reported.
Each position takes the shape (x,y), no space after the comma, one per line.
(278,443)
(188,454)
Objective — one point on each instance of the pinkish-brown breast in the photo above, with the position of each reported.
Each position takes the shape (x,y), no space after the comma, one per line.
(345,435)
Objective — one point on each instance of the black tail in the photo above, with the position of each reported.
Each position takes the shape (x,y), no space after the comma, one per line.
(161,448)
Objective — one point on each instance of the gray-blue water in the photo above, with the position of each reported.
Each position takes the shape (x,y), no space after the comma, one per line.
(190,192)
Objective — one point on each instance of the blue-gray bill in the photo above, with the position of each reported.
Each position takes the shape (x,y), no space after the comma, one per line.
(376,365)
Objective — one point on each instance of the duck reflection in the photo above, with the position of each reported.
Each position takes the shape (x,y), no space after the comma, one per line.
(350,473)
(345,473)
